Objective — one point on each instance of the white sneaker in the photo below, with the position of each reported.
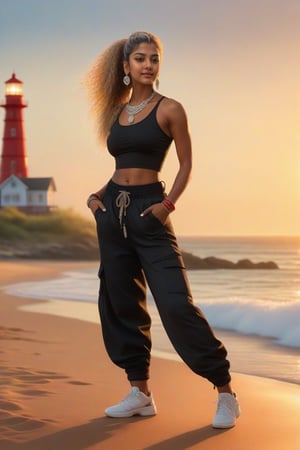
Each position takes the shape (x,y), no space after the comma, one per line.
(135,404)
(228,410)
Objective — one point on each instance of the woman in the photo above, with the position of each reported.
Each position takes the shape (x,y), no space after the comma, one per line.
(136,238)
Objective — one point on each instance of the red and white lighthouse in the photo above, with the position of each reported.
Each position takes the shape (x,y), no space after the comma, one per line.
(13,158)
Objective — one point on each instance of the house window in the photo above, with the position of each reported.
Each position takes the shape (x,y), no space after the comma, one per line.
(13,183)
(41,198)
(11,198)
(13,132)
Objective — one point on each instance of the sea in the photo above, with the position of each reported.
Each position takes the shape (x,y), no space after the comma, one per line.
(256,313)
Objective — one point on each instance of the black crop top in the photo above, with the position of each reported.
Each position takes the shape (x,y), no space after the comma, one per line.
(140,145)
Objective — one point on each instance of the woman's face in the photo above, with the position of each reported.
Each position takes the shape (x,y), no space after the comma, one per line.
(143,64)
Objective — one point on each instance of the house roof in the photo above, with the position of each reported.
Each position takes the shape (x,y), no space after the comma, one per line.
(39,184)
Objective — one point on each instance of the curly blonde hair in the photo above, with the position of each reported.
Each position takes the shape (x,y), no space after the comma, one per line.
(104,81)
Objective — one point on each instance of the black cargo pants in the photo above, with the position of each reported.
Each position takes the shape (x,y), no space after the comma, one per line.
(135,250)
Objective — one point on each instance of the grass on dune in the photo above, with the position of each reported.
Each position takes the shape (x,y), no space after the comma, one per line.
(62,224)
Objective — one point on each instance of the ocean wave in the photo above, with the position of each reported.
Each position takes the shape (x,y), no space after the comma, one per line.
(279,321)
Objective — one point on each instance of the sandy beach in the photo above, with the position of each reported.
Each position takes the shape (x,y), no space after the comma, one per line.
(56,380)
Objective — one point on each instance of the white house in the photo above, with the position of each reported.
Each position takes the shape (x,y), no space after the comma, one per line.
(30,195)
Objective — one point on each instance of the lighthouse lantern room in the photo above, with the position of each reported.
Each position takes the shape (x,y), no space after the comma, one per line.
(14,86)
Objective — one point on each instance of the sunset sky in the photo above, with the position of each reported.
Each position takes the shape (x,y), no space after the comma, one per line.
(233,64)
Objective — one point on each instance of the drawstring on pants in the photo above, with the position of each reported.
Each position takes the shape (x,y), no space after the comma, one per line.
(122,202)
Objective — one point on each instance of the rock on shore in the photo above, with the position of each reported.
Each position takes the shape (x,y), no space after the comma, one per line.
(88,251)
(211,262)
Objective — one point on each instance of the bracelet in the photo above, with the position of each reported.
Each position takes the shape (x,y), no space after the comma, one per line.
(168,204)
(91,198)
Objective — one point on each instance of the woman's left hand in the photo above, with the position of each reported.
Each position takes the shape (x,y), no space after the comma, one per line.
(158,210)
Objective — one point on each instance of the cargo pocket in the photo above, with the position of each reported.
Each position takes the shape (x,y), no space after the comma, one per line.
(103,295)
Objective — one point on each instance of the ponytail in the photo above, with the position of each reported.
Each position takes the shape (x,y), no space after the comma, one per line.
(106,89)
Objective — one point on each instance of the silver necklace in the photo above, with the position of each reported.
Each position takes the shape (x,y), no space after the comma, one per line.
(133,110)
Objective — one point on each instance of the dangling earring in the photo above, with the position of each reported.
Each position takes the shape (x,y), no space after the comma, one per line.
(126,80)
(157,83)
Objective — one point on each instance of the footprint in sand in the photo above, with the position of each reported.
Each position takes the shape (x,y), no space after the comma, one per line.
(20,423)
(9,406)
(35,392)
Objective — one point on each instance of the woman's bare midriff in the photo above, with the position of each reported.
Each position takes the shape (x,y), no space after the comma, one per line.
(134,177)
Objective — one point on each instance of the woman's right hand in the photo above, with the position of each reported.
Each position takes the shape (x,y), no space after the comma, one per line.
(94,200)
(96,204)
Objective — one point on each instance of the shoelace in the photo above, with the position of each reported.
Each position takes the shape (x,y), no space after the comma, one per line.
(225,405)
(131,399)
(122,202)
